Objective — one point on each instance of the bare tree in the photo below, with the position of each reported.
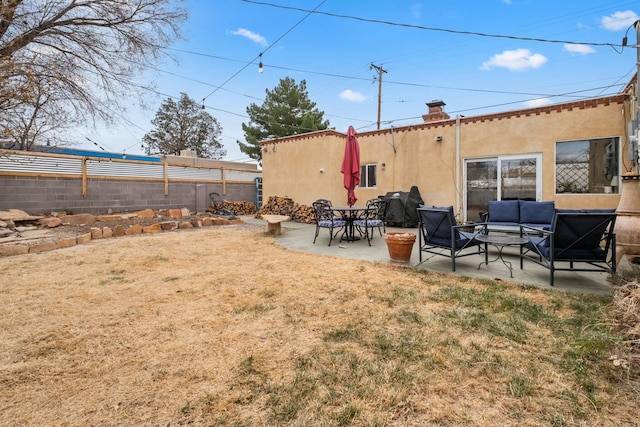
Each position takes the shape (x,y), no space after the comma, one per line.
(64,61)
(41,117)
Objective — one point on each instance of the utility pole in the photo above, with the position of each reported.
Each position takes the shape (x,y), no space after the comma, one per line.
(380,70)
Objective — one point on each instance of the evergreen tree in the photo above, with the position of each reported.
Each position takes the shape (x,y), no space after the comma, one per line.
(185,126)
(287,110)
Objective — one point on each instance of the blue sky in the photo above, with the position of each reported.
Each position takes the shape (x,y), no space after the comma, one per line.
(476,56)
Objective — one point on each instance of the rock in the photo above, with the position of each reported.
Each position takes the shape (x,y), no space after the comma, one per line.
(147,213)
(110,218)
(51,222)
(10,250)
(42,247)
(18,215)
(185,212)
(118,230)
(83,238)
(134,229)
(168,225)
(79,219)
(175,213)
(185,225)
(4,232)
(153,228)
(207,221)
(96,233)
(66,242)
(107,232)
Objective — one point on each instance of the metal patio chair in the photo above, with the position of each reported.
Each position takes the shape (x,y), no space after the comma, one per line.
(325,218)
(576,236)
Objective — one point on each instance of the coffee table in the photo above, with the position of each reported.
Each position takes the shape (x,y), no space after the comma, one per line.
(500,242)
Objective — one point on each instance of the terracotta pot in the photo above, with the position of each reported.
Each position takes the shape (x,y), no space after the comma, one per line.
(400,245)
(628,219)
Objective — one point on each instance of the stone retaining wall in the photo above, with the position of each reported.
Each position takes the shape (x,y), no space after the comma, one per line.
(59,241)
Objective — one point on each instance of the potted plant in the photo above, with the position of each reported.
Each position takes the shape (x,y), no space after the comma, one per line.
(400,245)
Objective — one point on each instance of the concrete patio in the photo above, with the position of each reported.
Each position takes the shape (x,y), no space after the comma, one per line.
(299,237)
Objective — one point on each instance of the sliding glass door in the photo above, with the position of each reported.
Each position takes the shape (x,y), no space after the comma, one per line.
(500,178)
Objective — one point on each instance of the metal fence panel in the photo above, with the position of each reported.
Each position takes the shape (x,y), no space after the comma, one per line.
(18,163)
(123,169)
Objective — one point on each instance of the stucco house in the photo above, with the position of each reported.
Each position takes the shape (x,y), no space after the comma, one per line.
(572,153)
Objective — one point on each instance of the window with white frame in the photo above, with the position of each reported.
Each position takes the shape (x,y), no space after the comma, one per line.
(587,166)
(367,176)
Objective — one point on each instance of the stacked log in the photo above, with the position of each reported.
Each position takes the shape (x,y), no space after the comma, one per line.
(277,205)
(240,207)
(304,213)
(236,208)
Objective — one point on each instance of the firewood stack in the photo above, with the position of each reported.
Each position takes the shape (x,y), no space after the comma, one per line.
(277,205)
(236,208)
(240,207)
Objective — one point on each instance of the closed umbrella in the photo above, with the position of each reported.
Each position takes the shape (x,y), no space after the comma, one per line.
(351,165)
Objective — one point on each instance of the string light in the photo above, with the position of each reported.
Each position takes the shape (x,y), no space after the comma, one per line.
(260,68)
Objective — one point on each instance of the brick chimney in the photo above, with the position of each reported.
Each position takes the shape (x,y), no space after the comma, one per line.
(435,112)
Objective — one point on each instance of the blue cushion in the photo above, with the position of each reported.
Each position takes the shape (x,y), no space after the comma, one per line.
(369,223)
(593,254)
(329,224)
(450,209)
(504,211)
(536,212)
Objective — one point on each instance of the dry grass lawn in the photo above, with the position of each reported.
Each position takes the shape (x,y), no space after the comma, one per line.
(222,326)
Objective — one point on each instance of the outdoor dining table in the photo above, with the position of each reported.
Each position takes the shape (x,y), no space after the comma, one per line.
(350,214)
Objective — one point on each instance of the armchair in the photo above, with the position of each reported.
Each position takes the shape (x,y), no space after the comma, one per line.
(575,236)
(439,234)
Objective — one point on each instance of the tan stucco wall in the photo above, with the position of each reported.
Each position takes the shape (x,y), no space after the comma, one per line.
(413,156)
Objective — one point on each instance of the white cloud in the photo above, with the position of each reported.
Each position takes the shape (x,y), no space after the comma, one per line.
(578,48)
(416,10)
(251,36)
(515,60)
(619,20)
(350,95)
(538,102)
(506,1)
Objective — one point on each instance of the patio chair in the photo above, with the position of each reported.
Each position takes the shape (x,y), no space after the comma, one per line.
(373,217)
(439,234)
(576,236)
(325,218)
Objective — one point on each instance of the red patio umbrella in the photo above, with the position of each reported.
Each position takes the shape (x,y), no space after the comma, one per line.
(351,165)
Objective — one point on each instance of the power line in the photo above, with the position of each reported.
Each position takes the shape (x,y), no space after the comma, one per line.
(268,47)
(566,94)
(392,82)
(444,30)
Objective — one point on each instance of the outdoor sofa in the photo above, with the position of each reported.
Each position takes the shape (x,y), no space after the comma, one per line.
(508,215)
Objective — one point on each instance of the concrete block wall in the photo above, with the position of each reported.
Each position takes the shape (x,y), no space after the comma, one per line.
(37,195)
